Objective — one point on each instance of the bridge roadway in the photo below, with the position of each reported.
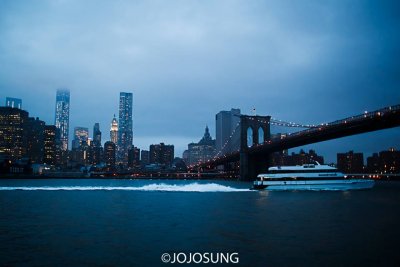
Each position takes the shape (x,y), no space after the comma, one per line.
(385,118)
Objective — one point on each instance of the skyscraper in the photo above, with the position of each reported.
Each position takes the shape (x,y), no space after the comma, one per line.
(226,123)
(34,132)
(109,154)
(125,131)
(81,135)
(96,135)
(62,116)
(13,132)
(50,144)
(13,102)
(114,131)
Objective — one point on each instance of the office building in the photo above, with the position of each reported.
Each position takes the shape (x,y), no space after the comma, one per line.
(109,154)
(12,132)
(114,131)
(96,135)
(390,161)
(282,158)
(350,162)
(13,102)
(125,130)
(162,154)
(201,151)
(35,138)
(62,116)
(145,157)
(95,153)
(227,131)
(81,135)
(50,145)
(134,157)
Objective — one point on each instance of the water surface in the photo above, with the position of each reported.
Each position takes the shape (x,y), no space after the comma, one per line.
(108,222)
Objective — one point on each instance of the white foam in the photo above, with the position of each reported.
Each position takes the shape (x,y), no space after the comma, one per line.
(193,187)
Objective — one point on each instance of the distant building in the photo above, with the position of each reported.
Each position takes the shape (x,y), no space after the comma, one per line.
(185,157)
(109,154)
(50,145)
(12,132)
(114,131)
(13,102)
(350,162)
(145,157)
(306,158)
(125,128)
(81,135)
(227,139)
(373,163)
(201,151)
(134,157)
(95,148)
(283,159)
(390,161)
(35,137)
(81,149)
(95,154)
(162,154)
(62,116)
(96,135)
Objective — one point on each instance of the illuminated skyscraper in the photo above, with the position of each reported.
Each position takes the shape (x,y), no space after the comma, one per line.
(125,131)
(114,131)
(50,144)
(12,132)
(62,116)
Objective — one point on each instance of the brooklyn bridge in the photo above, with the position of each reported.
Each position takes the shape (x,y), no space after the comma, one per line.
(257,143)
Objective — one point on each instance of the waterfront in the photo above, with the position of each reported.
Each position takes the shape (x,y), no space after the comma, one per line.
(133,222)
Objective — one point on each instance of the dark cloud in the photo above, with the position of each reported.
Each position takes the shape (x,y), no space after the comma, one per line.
(305,61)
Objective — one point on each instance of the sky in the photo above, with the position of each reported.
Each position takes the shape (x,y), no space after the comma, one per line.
(303,61)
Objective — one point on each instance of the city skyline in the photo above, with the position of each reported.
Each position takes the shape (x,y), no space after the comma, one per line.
(331,157)
(310,64)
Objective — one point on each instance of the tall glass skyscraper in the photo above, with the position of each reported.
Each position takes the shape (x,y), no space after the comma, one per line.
(125,131)
(62,116)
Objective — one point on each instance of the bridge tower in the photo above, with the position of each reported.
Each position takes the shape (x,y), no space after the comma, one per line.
(254,130)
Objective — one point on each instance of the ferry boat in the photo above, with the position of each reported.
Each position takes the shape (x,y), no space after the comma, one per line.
(308,177)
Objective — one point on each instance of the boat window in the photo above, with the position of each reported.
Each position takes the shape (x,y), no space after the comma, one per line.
(304,171)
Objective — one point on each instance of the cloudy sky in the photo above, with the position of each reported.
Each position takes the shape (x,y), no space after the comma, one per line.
(303,61)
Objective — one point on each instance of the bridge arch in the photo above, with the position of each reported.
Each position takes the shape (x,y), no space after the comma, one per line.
(260,135)
(249,135)
(253,130)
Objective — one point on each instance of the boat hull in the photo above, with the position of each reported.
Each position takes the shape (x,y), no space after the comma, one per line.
(346,184)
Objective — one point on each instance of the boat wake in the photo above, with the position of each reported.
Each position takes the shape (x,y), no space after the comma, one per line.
(193,187)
